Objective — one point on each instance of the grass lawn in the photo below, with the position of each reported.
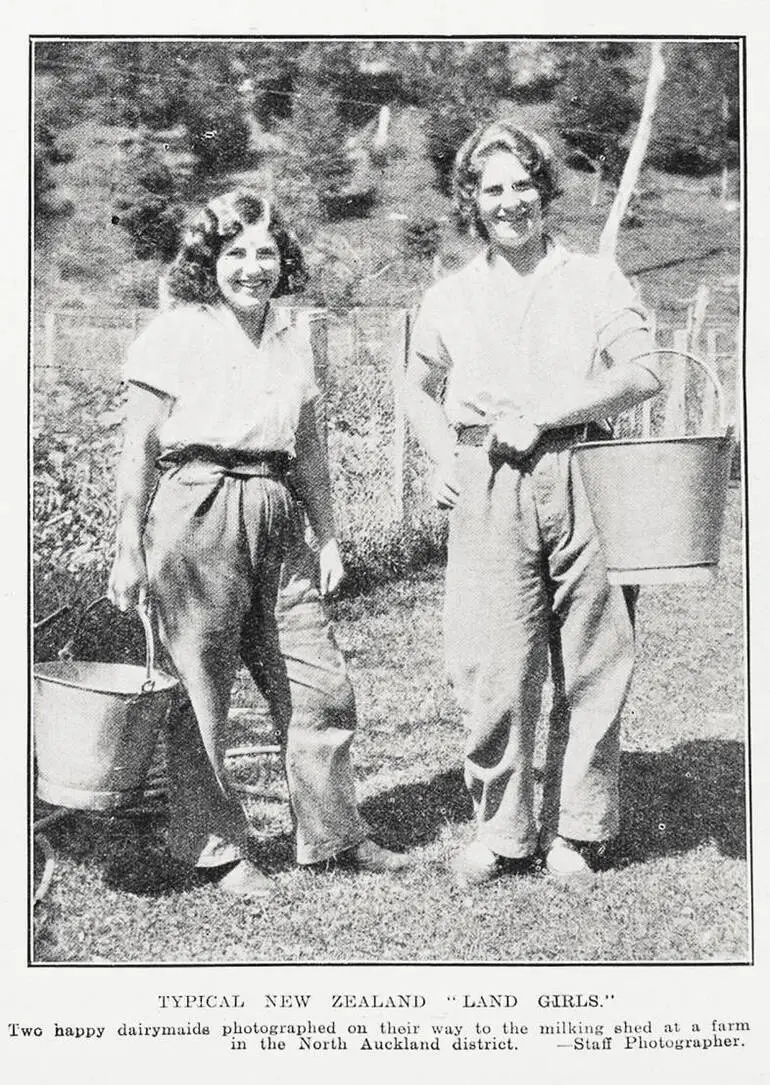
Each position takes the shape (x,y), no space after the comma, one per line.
(677,890)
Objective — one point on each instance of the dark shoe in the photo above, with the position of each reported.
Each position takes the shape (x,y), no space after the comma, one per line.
(370,858)
(241,879)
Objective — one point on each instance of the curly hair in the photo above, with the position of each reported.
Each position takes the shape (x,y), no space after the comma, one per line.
(534,153)
(192,277)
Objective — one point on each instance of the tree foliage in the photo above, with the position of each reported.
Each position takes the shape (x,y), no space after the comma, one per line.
(315,139)
(594,104)
(696,127)
(146,204)
(462,85)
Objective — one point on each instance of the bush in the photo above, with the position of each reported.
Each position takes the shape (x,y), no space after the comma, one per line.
(75,448)
(219,138)
(75,264)
(145,205)
(422,237)
(49,152)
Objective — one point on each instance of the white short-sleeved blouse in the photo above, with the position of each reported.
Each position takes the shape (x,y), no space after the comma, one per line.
(507,342)
(226,392)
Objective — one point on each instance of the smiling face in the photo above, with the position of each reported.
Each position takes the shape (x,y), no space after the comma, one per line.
(508,202)
(248,269)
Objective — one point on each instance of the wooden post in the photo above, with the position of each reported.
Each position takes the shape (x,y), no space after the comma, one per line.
(709,420)
(645,412)
(609,239)
(49,347)
(398,352)
(318,330)
(737,420)
(675,419)
(698,317)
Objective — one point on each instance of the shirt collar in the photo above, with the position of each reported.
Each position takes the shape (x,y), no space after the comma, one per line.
(555,255)
(277,320)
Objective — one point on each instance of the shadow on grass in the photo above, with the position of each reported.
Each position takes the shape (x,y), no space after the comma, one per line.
(130,850)
(675,800)
(671,802)
(410,815)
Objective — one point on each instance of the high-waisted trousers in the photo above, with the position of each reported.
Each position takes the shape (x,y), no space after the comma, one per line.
(219,548)
(526,571)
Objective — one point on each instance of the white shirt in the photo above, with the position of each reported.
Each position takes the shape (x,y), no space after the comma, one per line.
(506,341)
(226,392)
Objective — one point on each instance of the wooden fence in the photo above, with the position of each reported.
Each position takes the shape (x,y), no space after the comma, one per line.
(357,353)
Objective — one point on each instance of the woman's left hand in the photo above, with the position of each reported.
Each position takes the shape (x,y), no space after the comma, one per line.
(332,571)
(513,435)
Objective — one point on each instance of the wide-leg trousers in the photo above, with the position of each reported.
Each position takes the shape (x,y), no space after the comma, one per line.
(215,542)
(525,565)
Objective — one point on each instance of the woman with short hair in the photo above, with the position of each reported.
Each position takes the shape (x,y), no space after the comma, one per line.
(220,409)
(536,346)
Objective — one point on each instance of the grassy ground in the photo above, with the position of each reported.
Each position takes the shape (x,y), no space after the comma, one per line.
(677,890)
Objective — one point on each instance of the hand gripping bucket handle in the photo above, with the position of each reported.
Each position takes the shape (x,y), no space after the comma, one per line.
(67,651)
(658,502)
(97,724)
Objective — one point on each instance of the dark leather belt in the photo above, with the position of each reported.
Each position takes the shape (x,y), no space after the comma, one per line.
(476,436)
(235,461)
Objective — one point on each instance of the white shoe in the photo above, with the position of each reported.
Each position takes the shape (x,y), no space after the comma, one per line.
(475,865)
(242,879)
(565,861)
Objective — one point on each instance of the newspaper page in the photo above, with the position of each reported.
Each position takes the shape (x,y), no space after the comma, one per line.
(467,846)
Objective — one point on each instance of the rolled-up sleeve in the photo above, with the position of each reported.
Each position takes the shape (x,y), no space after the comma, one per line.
(622,323)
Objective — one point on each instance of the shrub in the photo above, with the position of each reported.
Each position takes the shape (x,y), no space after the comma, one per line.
(75,447)
(422,237)
(219,138)
(49,152)
(145,204)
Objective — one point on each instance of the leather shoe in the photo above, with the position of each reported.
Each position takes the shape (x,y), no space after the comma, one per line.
(476,864)
(370,858)
(566,861)
(242,879)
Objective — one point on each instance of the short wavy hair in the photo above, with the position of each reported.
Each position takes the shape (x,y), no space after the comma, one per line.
(192,277)
(534,153)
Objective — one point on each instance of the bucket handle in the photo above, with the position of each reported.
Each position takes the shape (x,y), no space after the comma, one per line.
(143,610)
(707,369)
(66,652)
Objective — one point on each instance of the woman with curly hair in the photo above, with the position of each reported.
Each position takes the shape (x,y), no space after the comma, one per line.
(220,409)
(536,346)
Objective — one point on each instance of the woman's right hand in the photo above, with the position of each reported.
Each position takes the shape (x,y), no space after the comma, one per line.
(128,582)
(445,487)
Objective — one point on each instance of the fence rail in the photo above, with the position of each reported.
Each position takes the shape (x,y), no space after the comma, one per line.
(375,461)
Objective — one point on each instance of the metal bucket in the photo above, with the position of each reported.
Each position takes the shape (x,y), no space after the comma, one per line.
(96,726)
(658,503)
(658,506)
